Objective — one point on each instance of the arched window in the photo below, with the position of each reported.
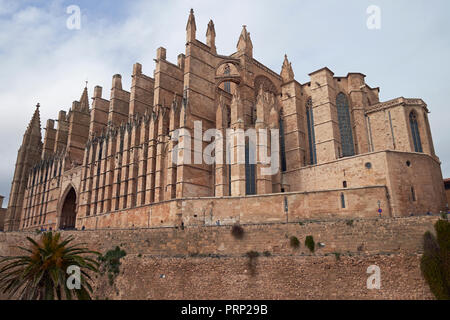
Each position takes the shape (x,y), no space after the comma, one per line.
(311,134)
(227,85)
(282,143)
(415,132)
(345,125)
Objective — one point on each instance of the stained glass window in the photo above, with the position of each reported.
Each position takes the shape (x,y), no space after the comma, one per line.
(311,134)
(345,126)
(415,132)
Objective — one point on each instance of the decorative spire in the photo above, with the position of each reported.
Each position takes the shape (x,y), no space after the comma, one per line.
(245,43)
(211,36)
(34,127)
(286,70)
(84,100)
(191,27)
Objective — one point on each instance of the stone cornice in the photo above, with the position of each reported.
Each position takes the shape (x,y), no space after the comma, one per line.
(395,103)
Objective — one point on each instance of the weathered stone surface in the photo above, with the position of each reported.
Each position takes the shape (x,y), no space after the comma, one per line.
(209,263)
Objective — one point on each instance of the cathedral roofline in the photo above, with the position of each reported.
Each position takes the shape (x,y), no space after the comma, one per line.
(362,74)
(321,69)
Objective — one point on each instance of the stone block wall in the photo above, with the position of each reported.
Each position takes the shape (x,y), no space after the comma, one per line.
(210,263)
(282,207)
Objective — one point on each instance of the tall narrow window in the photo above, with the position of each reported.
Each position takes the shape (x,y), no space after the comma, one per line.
(100,146)
(342,201)
(282,143)
(229,179)
(311,134)
(345,125)
(227,85)
(415,132)
(250,169)
(413,194)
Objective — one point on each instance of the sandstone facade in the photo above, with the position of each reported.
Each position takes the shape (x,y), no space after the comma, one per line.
(207,262)
(342,152)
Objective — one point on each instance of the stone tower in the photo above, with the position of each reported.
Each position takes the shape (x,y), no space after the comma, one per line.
(29,153)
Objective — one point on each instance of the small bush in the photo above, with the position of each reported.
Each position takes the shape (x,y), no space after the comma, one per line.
(301,223)
(435,262)
(444,216)
(309,243)
(337,255)
(110,263)
(294,242)
(237,231)
(349,223)
(267,253)
(252,254)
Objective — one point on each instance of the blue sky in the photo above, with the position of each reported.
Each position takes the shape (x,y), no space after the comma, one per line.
(43,61)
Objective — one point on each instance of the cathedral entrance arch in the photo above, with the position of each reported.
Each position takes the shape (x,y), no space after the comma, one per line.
(68,215)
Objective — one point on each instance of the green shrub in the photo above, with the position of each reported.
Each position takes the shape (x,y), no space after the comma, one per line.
(110,263)
(294,242)
(349,223)
(435,262)
(309,243)
(267,253)
(252,254)
(237,231)
(337,255)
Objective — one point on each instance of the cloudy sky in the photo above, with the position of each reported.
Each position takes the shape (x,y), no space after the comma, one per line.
(41,60)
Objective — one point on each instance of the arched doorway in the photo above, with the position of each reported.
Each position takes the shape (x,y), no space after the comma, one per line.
(68,211)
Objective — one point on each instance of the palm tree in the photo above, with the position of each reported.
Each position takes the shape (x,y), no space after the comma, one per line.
(42,273)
